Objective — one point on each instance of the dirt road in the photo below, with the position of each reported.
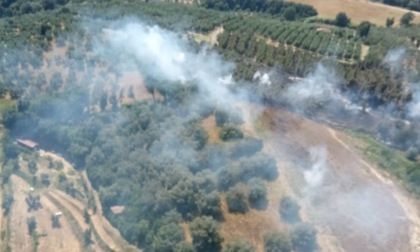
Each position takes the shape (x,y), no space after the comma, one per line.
(20,240)
(56,239)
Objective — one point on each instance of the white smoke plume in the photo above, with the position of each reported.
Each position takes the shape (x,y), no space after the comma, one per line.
(318,87)
(262,78)
(165,56)
(314,177)
(394,59)
(345,204)
(413,106)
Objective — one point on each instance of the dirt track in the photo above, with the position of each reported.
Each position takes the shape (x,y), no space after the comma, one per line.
(20,240)
(59,239)
(351,203)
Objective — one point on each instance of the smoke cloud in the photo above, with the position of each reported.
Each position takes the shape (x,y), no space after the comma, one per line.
(394,59)
(348,205)
(317,89)
(165,56)
(314,177)
(413,106)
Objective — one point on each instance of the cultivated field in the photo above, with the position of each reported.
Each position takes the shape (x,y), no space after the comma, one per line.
(70,235)
(358,10)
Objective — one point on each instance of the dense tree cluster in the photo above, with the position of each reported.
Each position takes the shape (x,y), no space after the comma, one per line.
(409,4)
(22,7)
(152,157)
(277,242)
(289,10)
(239,246)
(339,42)
(206,235)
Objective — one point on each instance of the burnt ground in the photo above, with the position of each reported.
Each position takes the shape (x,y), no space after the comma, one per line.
(354,206)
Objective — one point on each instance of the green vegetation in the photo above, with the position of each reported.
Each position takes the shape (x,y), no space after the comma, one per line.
(409,4)
(289,210)
(389,22)
(406,19)
(31,222)
(239,246)
(304,238)
(297,47)
(393,161)
(287,9)
(236,199)
(257,194)
(342,20)
(206,234)
(363,29)
(277,242)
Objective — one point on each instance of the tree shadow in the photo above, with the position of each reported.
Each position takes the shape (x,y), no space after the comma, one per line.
(259,205)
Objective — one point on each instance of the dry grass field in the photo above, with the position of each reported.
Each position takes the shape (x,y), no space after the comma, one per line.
(358,10)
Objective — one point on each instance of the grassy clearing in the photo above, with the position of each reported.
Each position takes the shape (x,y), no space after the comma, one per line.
(6,105)
(391,160)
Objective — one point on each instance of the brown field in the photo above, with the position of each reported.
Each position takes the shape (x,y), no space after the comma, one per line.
(69,236)
(59,239)
(358,10)
(133,79)
(210,126)
(77,213)
(288,135)
(348,176)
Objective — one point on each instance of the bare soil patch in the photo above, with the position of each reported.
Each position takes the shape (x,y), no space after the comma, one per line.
(252,225)
(210,126)
(351,203)
(135,80)
(20,240)
(56,239)
(365,51)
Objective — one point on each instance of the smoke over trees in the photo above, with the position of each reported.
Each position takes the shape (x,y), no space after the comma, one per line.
(154,156)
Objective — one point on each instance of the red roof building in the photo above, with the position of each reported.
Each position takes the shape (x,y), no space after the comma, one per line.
(28,144)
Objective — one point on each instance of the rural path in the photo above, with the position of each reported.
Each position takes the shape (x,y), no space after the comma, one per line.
(20,240)
(56,239)
(67,202)
(107,232)
(408,205)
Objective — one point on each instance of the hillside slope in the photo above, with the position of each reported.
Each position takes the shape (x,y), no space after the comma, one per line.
(359,10)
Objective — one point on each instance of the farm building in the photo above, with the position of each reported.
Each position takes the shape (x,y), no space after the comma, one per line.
(27,144)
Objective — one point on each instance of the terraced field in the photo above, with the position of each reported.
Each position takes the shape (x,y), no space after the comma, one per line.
(70,236)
